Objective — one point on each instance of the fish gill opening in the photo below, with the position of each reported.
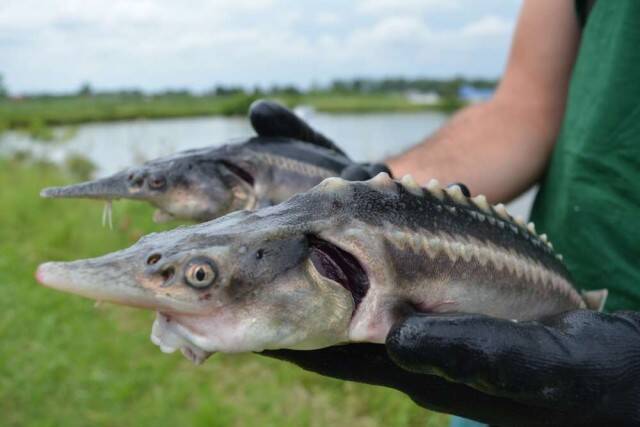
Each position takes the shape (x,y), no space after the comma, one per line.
(340,266)
(239,172)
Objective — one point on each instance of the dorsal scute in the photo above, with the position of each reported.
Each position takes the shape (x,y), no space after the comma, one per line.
(497,215)
(333,184)
(433,186)
(411,185)
(456,194)
(382,181)
(450,199)
(481,202)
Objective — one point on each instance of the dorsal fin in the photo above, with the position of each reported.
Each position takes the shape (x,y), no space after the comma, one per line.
(269,118)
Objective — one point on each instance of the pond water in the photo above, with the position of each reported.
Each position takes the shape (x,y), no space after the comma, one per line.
(115,146)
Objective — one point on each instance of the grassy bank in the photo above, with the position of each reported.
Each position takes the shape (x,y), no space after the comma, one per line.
(36,115)
(65,362)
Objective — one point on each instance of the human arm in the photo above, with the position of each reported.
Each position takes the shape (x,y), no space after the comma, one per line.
(501,147)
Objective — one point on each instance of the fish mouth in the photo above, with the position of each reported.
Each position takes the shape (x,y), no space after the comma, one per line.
(170,336)
(340,266)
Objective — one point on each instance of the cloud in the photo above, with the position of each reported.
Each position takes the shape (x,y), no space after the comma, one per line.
(327,18)
(488,26)
(58,44)
(377,7)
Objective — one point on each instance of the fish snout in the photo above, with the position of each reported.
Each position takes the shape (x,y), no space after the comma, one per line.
(43,272)
(108,188)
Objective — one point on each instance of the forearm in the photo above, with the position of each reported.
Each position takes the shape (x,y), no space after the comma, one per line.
(501,147)
(495,148)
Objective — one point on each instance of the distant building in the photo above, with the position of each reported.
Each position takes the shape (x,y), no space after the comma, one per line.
(422,98)
(473,94)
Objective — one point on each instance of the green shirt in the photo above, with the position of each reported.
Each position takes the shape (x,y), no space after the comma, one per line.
(589,200)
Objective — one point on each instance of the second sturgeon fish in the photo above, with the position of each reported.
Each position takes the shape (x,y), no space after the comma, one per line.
(287,157)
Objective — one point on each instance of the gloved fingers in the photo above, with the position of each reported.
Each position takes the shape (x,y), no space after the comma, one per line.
(375,168)
(364,171)
(355,172)
(370,364)
(528,362)
(366,363)
(271,119)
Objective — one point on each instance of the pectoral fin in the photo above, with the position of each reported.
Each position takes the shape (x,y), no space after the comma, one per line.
(595,300)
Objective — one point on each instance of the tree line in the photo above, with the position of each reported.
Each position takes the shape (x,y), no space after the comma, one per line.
(446,88)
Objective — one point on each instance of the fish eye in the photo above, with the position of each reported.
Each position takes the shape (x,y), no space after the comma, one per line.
(157,182)
(200,273)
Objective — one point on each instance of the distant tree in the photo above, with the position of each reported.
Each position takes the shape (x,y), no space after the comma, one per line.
(221,90)
(176,93)
(85,89)
(284,90)
(3,88)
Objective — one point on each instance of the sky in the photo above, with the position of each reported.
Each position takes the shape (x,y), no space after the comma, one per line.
(57,45)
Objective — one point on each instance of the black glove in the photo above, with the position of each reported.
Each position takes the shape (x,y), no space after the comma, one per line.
(271,119)
(577,368)
(364,171)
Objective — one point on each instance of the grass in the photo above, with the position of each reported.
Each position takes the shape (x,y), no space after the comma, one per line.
(32,114)
(64,362)
(36,115)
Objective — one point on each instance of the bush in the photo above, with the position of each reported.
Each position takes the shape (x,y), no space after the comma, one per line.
(79,166)
(38,129)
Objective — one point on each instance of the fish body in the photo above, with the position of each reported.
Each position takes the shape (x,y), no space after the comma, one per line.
(206,183)
(340,263)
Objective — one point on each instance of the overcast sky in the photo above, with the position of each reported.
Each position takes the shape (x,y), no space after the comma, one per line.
(55,45)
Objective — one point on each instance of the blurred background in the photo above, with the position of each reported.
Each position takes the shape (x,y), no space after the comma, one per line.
(88,88)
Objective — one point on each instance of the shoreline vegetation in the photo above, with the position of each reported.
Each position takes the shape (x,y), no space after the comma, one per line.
(36,114)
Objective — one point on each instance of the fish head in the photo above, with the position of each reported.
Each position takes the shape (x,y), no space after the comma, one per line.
(193,185)
(244,282)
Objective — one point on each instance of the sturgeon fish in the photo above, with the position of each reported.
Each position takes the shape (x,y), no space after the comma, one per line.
(287,157)
(340,263)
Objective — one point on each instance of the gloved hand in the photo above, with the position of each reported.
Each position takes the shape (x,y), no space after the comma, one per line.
(269,118)
(364,171)
(577,368)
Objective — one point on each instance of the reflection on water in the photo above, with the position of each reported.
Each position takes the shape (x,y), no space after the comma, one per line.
(115,146)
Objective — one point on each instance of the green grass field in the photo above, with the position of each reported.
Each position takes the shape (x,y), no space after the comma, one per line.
(65,362)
